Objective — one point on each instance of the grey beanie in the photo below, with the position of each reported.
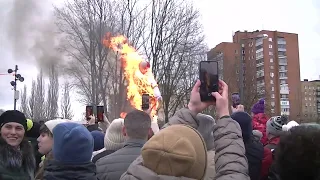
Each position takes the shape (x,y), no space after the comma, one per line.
(205,128)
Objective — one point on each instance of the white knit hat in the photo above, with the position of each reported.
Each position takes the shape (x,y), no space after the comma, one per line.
(53,123)
(114,139)
(288,126)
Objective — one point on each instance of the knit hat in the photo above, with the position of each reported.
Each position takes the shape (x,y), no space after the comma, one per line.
(258,107)
(72,144)
(206,123)
(288,126)
(33,129)
(114,139)
(177,150)
(51,124)
(13,116)
(98,138)
(274,125)
(245,122)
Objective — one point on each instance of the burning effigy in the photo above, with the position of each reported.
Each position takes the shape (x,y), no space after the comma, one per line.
(137,73)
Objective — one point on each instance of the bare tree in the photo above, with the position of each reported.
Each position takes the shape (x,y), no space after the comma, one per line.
(32,101)
(39,112)
(24,101)
(66,111)
(175,46)
(53,94)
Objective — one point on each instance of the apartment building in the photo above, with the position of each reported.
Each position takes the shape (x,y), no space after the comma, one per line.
(266,65)
(310,110)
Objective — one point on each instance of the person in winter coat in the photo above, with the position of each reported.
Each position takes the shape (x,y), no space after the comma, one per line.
(17,161)
(72,151)
(259,119)
(254,148)
(113,140)
(267,157)
(230,161)
(274,131)
(45,143)
(137,127)
(171,155)
(297,155)
(32,134)
(204,124)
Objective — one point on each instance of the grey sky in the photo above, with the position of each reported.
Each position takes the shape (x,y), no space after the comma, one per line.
(220,19)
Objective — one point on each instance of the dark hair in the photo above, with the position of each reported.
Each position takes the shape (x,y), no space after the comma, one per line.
(297,155)
(137,124)
(45,129)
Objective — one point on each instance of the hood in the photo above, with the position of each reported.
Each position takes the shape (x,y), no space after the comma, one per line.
(137,171)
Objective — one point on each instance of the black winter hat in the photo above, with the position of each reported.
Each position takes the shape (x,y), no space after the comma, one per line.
(13,116)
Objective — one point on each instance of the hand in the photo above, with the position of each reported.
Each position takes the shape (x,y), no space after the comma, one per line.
(92,120)
(239,108)
(195,103)
(222,101)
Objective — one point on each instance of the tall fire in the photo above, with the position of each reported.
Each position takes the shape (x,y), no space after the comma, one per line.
(137,73)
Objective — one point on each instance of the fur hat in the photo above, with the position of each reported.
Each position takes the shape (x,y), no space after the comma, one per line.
(178,151)
(258,107)
(114,139)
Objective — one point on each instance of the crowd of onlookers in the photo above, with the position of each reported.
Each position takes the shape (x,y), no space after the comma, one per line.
(191,145)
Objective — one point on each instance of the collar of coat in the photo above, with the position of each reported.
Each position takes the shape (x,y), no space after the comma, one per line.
(13,159)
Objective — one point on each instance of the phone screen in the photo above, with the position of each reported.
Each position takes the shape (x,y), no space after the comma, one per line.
(100,111)
(89,112)
(145,102)
(235,99)
(208,72)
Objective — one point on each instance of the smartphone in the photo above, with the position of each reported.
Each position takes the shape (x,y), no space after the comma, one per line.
(208,75)
(89,112)
(100,112)
(145,102)
(235,99)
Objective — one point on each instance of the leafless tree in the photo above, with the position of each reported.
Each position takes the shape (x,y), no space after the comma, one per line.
(24,101)
(32,101)
(53,94)
(65,106)
(39,112)
(84,23)
(175,47)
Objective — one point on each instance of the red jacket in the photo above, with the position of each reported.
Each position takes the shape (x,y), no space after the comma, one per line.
(266,163)
(259,122)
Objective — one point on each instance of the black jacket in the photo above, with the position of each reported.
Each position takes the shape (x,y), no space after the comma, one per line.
(58,171)
(254,154)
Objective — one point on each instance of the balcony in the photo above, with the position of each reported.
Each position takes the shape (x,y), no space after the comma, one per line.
(283,77)
(283,62)
(283,70)
(317,93)
(260,64)
(284,103)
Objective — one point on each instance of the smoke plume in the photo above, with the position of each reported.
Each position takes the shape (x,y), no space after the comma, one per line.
(32,32)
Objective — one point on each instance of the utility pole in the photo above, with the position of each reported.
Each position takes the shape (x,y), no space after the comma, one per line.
(14,84)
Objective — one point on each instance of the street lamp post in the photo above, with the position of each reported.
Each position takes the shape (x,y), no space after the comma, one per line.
(14,84)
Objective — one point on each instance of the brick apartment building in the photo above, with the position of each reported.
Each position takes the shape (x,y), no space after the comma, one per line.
(262,64)
(310,110)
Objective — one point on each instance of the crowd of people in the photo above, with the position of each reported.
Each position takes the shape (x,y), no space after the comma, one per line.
(235,145)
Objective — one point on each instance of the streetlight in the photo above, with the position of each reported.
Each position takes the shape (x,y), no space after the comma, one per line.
(241,80)
(14,84)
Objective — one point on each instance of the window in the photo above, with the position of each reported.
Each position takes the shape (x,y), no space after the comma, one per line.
(270,53)
(270,39)
(309,98)
(272,96)
(243,58)
(242,45)
(282,68)
(306,98)
(282,46)
(271,81)
(283,81)
(273,103)
(271,75)
(236,51)
(272,88)
(305,87)
(283,74)
(271,60)
(242,51)
(270,46)
(271,67)
(282,53)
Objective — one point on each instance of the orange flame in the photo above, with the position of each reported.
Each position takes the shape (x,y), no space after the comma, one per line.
(137,83)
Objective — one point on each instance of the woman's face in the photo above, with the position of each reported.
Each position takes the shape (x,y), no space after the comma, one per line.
(12,133)
(45,143)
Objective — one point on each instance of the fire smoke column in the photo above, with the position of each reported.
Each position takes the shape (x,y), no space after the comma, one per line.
(137,73)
